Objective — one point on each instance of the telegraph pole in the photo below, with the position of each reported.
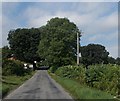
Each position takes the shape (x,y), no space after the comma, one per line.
(77,48)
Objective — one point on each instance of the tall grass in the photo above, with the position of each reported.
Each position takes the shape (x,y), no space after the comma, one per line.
(11,82)
(79,91)
(102,77)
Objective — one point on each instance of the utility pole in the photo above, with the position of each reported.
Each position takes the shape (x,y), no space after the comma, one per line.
(78,49)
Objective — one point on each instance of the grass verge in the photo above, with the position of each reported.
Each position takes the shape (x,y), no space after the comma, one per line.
(10,83)
(80,92)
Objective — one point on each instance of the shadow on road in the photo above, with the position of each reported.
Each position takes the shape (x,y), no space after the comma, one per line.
(43,68)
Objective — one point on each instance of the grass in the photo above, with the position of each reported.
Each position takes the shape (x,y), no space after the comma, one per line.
(10,83)
(79,91)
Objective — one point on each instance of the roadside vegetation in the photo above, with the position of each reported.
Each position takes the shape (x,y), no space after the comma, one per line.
(10,83)
(78,91)
(13,75)
(92,82)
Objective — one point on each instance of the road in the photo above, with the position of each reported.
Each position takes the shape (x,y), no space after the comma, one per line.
(40,86)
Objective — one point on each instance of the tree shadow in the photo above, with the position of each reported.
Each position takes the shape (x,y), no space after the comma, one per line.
(43,68)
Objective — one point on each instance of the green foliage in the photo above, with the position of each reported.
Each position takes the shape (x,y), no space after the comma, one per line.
(6,52)
(111,60)
(118,61)
(94,53)
(5,90)
(81,92)
(11,82)
(58,42)
(11,67)
(24,43)
(103,77)
(71,72)
(53,69)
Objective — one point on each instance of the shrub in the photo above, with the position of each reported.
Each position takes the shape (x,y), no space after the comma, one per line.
(101,76)
(104,77)
(53,69)
(12,67)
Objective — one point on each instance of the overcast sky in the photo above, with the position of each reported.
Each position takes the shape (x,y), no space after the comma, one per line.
(97,20)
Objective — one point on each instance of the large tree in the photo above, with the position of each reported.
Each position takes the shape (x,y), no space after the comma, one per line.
(118,61)
(24,43)
(6,52)
(58,42)
(94,53)
(111,60)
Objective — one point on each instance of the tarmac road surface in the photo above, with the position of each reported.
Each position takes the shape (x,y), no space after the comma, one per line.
(40,86)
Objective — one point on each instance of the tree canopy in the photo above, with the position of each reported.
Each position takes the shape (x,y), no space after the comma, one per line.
(24,43)
(111,60)
(6,52)
(118,60)
(57,46)
(94,53)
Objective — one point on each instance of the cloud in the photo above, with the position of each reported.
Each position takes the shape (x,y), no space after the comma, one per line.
(108,23)
(38,22)
(8,8)
(7,25)
(113,50)
(36,17)
(12,0)
(60,0)
(96,37)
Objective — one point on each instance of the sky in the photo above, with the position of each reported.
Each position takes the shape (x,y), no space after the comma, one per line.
(98,21)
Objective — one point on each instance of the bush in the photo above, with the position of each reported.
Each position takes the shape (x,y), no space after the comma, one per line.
(5,91)
(12,67)
(53,69)
(103,77)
